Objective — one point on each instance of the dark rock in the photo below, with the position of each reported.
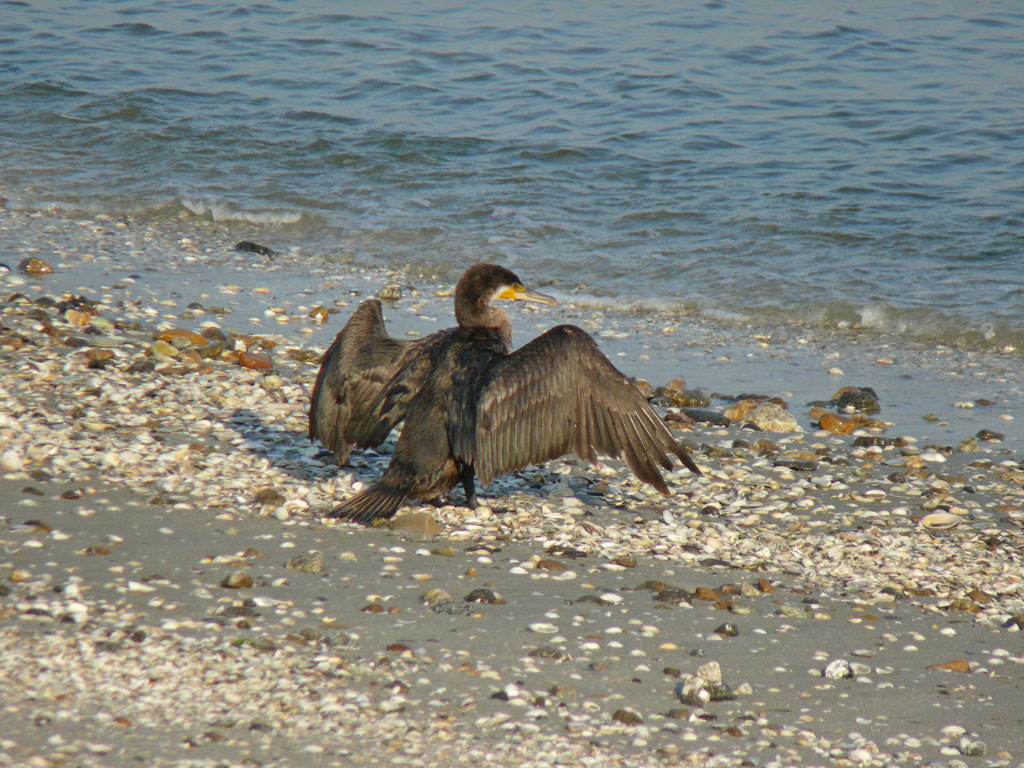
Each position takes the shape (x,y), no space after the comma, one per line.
(674,596)
(563,551)
(865,441)
(797,465)
(721,692)
(987,434)
(686,398)
(484,595)
(248,246)
(704,416)
(854,399)
(728,629)
(269,497)
(142,365)
(626,717)
(452,607)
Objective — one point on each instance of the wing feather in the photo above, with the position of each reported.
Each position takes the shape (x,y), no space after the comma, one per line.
(560,394)
(352,371)
(364,385)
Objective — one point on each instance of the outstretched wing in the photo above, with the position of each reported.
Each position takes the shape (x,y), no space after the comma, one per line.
(559,394)
(353,372)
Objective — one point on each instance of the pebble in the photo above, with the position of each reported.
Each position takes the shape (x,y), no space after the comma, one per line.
(770,417)
(422,523)
(35,266)
(237,580)
(308,562)
(255,360)
(837,425)
(11,460)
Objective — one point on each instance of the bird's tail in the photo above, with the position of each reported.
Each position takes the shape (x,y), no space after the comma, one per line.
(375,503)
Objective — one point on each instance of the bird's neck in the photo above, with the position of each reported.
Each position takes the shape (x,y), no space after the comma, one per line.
(486,316)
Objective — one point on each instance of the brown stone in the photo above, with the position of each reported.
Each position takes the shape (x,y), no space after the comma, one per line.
(255,360)
(98,358)
(422,523)
(269,497)
(626,717)
(550,565)
(179,336)
(816,413)
(308,562)
(35,266)
(706,593)
(837,425)
(162,349)
(765,586)
(78,318)
(237,580)
(963,604)
(213,333)
(739,411)
(955,665)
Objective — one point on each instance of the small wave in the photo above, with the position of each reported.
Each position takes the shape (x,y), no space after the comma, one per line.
(220,213)
(921,324)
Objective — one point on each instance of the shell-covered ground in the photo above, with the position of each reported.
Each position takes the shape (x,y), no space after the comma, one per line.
(170,592)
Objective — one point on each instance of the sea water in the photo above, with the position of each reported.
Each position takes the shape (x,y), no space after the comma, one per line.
(840,165)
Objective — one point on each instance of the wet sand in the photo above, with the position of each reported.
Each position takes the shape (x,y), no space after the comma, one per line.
(171,596)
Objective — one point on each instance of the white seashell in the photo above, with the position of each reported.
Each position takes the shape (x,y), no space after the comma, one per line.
(940,521)
(543,628)
(837,670)
(11,460)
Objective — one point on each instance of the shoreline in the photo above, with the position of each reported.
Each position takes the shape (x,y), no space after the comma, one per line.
(162,523)
(928,391)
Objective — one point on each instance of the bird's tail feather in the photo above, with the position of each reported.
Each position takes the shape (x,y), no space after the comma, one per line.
(375,503)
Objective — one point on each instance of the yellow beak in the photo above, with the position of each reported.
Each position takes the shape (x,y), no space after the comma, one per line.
(519,293)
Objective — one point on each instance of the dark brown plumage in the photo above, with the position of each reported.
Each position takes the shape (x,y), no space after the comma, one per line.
(472,407)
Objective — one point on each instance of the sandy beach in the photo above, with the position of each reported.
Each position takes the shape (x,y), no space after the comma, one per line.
(170,593)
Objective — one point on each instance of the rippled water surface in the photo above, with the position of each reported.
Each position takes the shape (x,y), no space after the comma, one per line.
(824,162)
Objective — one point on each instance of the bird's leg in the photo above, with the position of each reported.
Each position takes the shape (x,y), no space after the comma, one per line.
(466,474)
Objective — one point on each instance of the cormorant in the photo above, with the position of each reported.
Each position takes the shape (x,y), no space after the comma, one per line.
(474,408)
